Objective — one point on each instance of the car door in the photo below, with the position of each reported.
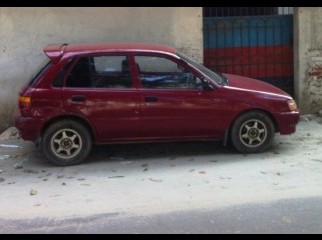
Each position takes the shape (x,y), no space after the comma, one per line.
(173,101)
(100,89)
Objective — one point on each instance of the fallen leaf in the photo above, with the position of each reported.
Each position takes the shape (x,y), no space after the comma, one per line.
(37,205)
(202,172)
(172,165)
(64,184)
(263,172)
(81,179)
(33,192)
(2,179)
(45,179)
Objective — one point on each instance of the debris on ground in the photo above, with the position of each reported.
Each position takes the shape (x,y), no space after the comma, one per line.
(33,192)
(320,113)
(81,179)
(225,178)
(116,177)
(144,165)
(37,205)
(202,172)
(126,162)
(9,146)
(117,158)
(60,176)
(2,157)
(145,169)
(85,184)
(262,172)
(30,171)
(20,163)
(64,184)
(317,160)
(10,133)
(2,180)
(1,170)
(155,180)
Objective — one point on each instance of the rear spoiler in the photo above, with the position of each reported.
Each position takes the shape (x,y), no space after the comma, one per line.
(55,51)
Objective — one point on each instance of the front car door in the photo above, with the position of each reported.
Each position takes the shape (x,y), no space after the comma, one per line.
(173,101)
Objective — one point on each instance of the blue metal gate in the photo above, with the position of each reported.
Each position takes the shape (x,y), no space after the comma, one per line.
(258,46)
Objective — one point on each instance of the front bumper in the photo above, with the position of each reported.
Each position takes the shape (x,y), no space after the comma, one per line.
(287,121)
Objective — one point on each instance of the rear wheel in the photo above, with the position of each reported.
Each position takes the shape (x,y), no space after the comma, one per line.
(66,143)
(252,132)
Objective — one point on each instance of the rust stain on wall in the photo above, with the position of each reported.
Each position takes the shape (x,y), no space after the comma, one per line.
(312,91)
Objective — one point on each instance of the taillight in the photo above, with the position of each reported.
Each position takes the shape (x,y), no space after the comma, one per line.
(24,104)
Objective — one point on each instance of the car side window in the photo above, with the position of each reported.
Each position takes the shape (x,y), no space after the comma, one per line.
(162,73)
(101,72)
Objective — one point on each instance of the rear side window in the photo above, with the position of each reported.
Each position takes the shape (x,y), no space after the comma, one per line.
(59,79)
(100,72)
(40,73)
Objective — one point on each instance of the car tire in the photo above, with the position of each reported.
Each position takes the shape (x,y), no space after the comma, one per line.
(252,132)
(66,143)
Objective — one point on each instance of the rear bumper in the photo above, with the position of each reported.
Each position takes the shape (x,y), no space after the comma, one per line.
(287,121)
(29,127)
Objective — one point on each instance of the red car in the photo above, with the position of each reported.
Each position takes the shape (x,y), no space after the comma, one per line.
(135,92)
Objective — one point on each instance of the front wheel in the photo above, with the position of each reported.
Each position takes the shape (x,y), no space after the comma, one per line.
(252,132)
(66,143)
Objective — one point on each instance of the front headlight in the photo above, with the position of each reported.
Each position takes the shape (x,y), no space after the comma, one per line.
(292,105)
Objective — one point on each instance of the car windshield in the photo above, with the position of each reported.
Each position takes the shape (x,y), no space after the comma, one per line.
(216,76)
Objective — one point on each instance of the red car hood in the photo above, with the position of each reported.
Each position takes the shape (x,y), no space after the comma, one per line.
(250,84)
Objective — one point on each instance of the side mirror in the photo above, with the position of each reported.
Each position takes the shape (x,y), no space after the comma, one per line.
(206,84)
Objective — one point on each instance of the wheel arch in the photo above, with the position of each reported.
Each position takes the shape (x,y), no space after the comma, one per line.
(270,115)
(69,117)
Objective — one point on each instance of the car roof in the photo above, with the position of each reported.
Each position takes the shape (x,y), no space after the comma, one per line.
(118,46)
(56,51)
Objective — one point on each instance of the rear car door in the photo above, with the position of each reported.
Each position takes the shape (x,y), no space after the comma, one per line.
(100,89)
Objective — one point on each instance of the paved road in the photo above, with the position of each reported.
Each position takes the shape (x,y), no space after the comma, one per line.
(197,187)
(286,216)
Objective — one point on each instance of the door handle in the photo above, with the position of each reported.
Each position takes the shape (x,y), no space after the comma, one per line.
(151,98)
(78,98)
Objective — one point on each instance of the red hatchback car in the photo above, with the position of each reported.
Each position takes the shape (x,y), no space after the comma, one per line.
(135,92)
